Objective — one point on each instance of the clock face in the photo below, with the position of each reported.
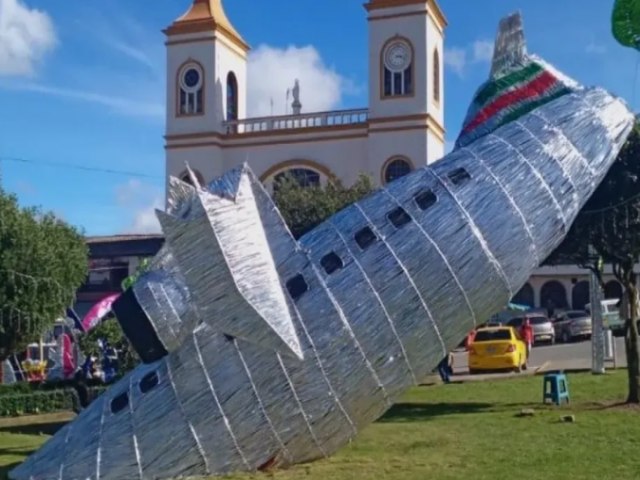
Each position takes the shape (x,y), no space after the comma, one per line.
(191,78)
(398,56)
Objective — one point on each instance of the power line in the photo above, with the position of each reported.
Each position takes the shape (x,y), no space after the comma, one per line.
(110,171)
(72,166)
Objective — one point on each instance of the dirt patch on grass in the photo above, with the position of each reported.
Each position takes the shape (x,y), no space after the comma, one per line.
(622,406)
(615,405)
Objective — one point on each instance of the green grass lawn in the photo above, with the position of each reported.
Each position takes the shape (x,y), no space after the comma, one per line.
(21,436)
(462,431)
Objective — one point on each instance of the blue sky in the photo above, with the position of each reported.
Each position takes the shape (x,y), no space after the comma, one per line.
(82,83)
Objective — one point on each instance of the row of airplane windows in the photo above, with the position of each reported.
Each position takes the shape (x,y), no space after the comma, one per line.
(121,401)
(365,237)
(331,263)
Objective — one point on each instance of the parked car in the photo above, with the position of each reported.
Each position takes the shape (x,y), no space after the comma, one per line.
(611,316)
(542,327)
(497,348)
(572,325)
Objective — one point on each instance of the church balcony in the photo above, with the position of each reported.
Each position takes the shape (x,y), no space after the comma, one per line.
(303,120)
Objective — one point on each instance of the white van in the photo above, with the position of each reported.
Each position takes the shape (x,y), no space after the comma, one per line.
(611,315)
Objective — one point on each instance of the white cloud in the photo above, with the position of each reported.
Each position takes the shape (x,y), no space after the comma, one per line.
(456,59)
(140,201)
(132,84)
(482,51)
(271,71)
(126,37)
(595,49)
(26,35)
(125,106)
(132,52)
(145,220)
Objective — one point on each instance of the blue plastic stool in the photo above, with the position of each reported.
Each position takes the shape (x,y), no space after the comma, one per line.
(555,388)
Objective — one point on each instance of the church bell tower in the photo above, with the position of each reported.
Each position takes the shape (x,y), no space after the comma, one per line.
(406,91)
(206,87)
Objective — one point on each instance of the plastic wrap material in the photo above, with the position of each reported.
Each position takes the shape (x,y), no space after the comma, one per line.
(281,351)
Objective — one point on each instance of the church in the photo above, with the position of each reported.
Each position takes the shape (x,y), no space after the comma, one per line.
(401,128)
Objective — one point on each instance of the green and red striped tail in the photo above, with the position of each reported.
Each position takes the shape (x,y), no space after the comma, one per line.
(518,85)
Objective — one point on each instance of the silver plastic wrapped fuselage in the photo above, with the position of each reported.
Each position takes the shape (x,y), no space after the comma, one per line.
(442,250)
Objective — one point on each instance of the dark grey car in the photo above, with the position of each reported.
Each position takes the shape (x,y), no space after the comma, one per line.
(572,325)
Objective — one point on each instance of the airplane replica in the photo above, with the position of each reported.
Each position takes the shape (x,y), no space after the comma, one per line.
(259,350)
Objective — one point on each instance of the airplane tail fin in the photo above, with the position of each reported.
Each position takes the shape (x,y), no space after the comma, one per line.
(159,310)
(510,48)
(219,241)
(519,83)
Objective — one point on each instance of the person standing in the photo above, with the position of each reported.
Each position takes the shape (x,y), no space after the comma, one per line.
(551,308)
(445,368)
(471,336)
(80,385)
(526,332)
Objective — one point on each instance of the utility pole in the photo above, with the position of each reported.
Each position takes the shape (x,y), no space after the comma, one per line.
(597,325)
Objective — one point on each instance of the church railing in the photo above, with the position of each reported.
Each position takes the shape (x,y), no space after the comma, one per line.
(303,120)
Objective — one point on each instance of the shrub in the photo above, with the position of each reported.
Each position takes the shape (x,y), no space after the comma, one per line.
(35,403)
(22,388)
(43,401)
(16,389)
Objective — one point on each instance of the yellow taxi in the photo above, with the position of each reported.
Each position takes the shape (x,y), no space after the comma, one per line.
(497,348)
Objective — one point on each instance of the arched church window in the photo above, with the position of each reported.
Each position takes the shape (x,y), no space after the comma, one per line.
(396,168)
(436,76)
(191,89)
(397,65)
(304,177)
(232,97)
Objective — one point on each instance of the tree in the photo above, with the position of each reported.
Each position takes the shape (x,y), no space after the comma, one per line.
(109,330)
(43,261)
(303,208)
(610,223)
(131,279)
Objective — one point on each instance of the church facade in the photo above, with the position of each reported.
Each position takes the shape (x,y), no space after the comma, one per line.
(401,128)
